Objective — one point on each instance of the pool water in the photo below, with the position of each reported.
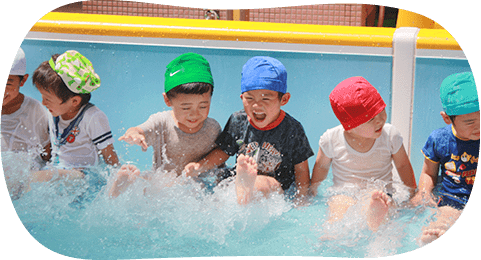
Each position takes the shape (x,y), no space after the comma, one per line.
(179,217)
(189,219)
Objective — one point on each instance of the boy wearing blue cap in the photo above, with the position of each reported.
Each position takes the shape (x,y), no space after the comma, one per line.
(24,120)
(454,148)
(271,146)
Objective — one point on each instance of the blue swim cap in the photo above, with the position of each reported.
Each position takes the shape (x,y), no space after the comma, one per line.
(262,72)
(458,94)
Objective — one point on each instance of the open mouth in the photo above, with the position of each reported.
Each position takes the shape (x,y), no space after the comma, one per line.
(259,116)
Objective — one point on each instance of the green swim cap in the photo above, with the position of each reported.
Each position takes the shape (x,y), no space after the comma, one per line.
(458,94)
(76,72)
(187,68)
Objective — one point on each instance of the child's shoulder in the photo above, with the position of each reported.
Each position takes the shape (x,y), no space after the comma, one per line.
(211,123)
(333,132)
(292,120)
(442,133)
(92,110)
(32,104)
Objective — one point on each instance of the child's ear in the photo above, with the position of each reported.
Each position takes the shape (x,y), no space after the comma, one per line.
(285,98)
(166,100)
(446,118)
(25,77)
(76,100)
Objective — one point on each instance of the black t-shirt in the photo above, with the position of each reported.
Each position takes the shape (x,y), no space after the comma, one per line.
(277,151)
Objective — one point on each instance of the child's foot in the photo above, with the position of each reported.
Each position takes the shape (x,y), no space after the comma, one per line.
(378,208)
(125,177)
(245,178)
(429,235)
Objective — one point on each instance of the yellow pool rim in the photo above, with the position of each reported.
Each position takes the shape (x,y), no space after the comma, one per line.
(156,27)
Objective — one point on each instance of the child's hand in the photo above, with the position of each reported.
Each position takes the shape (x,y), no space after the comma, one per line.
(422,198)
(192,169)
(134,135)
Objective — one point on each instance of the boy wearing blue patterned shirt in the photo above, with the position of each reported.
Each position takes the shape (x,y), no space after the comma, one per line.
(454,148)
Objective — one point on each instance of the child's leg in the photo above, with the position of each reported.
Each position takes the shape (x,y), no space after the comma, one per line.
(126,175)
(338,205)
(446,218)
(248,182)
(47,175)
(246,175)
(378,207)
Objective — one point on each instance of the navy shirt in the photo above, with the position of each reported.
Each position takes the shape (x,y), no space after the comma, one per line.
(455,155)
(277,150)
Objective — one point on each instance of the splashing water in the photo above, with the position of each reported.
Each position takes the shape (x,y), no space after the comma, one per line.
(177,217)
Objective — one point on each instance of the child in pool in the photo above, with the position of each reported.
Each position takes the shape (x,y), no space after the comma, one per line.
(454,148)
(186,131)
(24,119)
(271,146)
(361,148)
(24,127)
(79,131)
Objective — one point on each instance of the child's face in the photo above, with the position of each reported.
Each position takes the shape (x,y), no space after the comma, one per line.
(190,110)
(12,89)
(372,128)
(67,110)
(467,126)
(263,106)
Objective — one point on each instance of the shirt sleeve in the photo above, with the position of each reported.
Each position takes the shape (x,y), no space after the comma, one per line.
(429,149)
(302,147)
(99,130)
(226,140)
(396,140)
(325,144)
(42,126)
(151,127)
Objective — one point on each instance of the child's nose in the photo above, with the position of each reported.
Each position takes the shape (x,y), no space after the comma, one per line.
(194,112)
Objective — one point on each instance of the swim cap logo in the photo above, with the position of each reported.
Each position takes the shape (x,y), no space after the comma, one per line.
(173,73)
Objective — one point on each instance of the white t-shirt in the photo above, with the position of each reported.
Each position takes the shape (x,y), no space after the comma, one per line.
(350,166)
(92,135)
(25,129)
(173,148)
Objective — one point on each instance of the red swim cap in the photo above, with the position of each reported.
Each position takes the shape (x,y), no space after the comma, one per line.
(355,101)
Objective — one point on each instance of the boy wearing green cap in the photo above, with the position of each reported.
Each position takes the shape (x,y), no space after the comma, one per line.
(454,149)
(183,134)
(79,131)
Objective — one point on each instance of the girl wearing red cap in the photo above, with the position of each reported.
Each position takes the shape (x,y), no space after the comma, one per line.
(360,151)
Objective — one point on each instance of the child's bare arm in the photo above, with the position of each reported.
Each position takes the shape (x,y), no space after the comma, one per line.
(301,171)
(405,169)
(320,171)
(214,159)
(427,182)
(110,156)
(135,135)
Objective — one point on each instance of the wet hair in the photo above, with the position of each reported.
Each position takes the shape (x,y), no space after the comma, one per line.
(46,78)
(197,88)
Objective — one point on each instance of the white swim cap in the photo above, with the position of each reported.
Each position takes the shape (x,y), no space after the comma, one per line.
(19,66)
